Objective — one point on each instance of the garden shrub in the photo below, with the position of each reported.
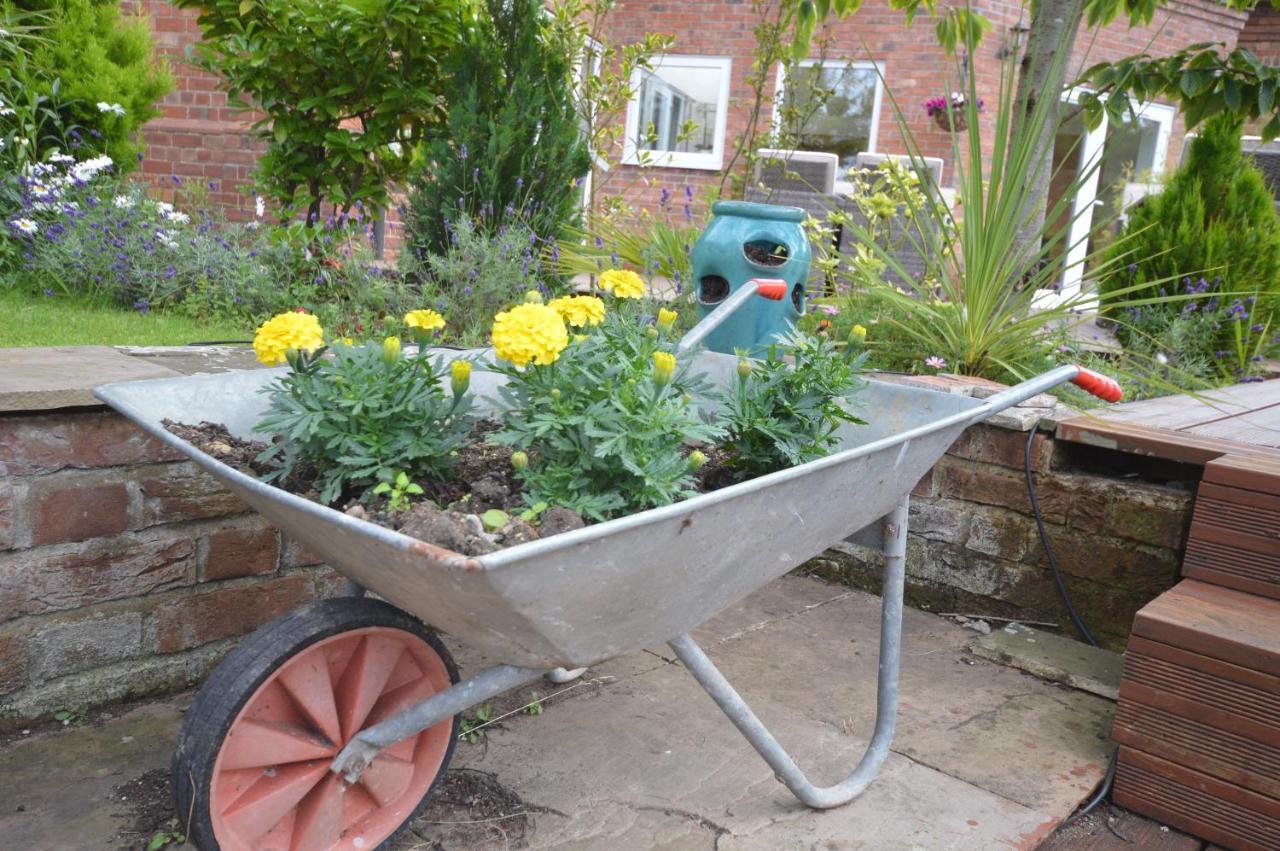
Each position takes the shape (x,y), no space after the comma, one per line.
(84,231)
(347,89)
(97,69)
(512,143)
(1215,220)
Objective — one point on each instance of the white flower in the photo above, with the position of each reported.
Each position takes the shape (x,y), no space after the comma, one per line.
(4,110)
(124,202)
(259,206)
(61,159)
(89,169)
(166,239)
(113,108)
(43,191)
(180,218)
(1162,359)
(164,209)
(25,226)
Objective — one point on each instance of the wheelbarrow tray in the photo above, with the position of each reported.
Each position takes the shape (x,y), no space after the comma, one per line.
(581,597)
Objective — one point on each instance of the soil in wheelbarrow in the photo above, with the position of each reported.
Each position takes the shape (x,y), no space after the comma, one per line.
(449,512)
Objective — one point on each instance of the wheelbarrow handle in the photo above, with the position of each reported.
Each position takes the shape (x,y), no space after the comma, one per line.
(1106,389)
(774,289)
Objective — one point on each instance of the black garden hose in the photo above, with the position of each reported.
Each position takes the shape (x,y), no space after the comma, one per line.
(1104,790)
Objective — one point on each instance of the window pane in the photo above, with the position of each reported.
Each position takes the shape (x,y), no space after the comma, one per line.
(673,97)
(830,108)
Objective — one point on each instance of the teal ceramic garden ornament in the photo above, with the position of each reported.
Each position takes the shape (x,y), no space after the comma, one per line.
(745,241)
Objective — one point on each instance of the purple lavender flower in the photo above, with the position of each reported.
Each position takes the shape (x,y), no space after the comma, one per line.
(1257,328)
(48,293)
(142,306)
(519,183)
(462,151)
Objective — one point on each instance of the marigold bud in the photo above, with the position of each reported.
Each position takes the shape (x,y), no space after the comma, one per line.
(460,375)
(555,392)
(696,459)
(857,335)
(744,368)
(533,297)
(666,319)
(651,332)
(391,349)
(664,366)
(519,460)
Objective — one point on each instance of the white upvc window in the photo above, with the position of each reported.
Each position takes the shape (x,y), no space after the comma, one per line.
(844,120)
(679,112)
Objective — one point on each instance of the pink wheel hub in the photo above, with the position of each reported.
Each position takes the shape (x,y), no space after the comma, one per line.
(272,789)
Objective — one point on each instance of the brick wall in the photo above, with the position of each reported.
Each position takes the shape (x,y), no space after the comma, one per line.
(1262,34)
(973,546)
(124,571)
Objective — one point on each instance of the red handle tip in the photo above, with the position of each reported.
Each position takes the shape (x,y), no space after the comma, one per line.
(1106,389)
(771,288)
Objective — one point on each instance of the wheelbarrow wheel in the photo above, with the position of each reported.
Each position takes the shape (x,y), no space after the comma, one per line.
(251,766)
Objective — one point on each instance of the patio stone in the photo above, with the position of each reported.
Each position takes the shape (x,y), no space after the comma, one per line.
(64,377)
(1054,658)
(636,756)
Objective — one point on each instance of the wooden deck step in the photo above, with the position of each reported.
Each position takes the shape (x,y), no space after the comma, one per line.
(1235,531)
(1199,715)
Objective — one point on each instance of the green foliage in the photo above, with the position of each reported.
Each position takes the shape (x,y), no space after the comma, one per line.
(470,725)
(512,143)
(605,433)
(780,414)
(347,88)
(1215,219)
(658,246)
(481,270)
(85,54)
(400,490)
(170,834)
(360,418)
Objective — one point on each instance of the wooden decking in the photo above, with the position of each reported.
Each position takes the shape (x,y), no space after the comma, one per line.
(1241,420)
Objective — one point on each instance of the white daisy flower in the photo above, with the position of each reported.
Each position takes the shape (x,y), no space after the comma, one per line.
(25,226)
(259,206)
(124,202)
(112,108)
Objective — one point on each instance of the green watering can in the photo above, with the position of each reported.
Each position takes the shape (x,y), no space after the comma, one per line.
(751,242)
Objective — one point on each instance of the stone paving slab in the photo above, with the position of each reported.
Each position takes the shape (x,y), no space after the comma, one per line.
(38,379)
(1054,658)
(639,757)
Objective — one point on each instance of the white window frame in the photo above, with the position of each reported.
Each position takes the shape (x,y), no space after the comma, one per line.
(779,91)
(713,161)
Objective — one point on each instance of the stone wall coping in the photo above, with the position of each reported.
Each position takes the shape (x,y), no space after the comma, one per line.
(53,378)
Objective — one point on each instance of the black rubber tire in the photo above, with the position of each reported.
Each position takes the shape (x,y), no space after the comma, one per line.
(247,667)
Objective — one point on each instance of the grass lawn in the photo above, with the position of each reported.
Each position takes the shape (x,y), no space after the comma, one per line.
(60,321)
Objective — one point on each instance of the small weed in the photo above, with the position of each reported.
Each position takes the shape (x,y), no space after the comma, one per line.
(535,704)
(170,834)
(469,731)
(72,717)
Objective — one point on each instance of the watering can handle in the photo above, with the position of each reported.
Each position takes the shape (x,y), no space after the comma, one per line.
(774,289)
(1106,389)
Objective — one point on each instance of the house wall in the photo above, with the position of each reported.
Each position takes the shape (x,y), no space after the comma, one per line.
(1262,34)
(915,68)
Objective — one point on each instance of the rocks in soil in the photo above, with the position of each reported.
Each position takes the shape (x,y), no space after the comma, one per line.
(557,520)
(517,531)
(449,529)
(490,492)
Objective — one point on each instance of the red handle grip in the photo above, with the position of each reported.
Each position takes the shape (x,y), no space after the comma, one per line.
(1106,389)
(774,289)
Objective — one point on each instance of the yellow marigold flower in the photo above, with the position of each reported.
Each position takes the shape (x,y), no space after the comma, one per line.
(696,459)
(297,331)
(579,310)
(857,334)
(347,341)
(427,320)
(664,366)
(460,376)
(666,319)
(529,333)
(623,283)
(391,348)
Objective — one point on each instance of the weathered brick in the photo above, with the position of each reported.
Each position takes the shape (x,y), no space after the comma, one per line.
(1002,447)
(228,611)
(1002,535)
(6,514)
(46,444)
(297,554)
(178,492)
(77,509)
(68,576)
(1148,519)
(229,553)
(944,522)
(994,486)
(79,644)
(13,674)
(926,488)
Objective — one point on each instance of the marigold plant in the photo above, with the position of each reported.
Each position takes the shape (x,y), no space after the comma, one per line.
(285,332)
(529,333)
(622,283)
(579,311)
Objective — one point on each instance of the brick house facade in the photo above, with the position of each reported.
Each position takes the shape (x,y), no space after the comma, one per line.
(199,136)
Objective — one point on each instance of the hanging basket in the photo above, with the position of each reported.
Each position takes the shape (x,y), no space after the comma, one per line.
(951,118)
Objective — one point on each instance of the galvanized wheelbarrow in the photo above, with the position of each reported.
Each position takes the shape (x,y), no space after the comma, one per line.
(329,727)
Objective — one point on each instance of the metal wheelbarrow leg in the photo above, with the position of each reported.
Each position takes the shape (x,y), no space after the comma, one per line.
(784,767)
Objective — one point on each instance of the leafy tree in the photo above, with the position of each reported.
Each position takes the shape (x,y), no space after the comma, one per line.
(346,88)
(513,143)
(1215,217)
(82,53)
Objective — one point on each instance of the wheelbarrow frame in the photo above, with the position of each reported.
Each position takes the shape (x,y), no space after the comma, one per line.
(502,589)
